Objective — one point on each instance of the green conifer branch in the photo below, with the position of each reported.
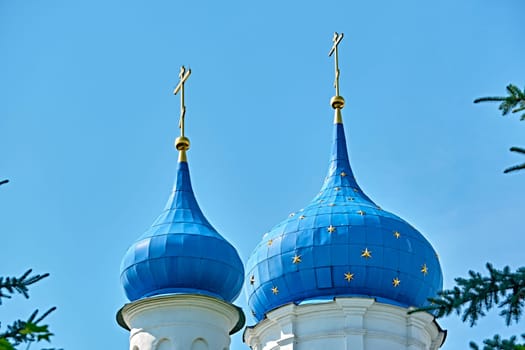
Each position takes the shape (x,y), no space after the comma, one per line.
(30,330)
(26,332)
(517,150)
(519,166)
(514,168)
(496,343)
(489,99)
(474,296)
(12,285)
(513,103)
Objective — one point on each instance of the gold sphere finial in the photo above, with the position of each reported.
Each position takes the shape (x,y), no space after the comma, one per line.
(337,102)
(182,143)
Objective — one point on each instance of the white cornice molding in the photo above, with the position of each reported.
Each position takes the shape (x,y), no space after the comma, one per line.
(358,320)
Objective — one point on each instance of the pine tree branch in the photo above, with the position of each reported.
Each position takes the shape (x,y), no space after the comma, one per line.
(513,103)
(28,331)
(13,285)
(496,343)
(518,109)
(489,99)
(472,297)
(31,330)
(513,90)
(519,166)
(514,168)
(517,150)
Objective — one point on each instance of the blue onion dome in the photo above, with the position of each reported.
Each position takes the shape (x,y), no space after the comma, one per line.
(341,244)
(182,253)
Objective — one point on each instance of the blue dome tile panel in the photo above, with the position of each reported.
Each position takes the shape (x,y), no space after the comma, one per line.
(329,237)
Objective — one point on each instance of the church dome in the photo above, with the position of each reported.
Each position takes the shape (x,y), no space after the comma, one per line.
(182,253)
(341,244)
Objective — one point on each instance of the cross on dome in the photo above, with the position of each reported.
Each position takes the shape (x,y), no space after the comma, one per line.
(182,143)
(183,76)
(336,39)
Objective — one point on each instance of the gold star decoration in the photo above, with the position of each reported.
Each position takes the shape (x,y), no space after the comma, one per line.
(301,217)
(366,253)
(343,174)
(331,205)
(252,279)
(337,188)
(360,212)
(349,276)
(397,234)
(395,282)
(275,290)
(356,190)
(424,269)
(292,214)
(270,242)
(296,259)
(330,229)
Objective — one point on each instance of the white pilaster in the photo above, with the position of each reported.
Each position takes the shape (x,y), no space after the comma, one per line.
(345,324)
(172,322)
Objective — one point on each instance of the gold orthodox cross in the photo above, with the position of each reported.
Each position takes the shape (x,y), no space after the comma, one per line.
(337,39)
(183,76)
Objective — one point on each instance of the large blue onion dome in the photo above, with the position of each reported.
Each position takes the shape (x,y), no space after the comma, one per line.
(182,253)
(341,244)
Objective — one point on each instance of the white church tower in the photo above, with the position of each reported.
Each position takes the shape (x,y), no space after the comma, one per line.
(342,273)
(181,276)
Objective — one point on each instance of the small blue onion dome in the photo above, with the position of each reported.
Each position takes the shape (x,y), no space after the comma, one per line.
(341,244)
(181,252)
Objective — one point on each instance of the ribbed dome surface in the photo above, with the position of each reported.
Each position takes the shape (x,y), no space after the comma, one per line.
(341,244)
(182,252)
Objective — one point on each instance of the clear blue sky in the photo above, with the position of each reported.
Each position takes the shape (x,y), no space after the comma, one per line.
(87,123)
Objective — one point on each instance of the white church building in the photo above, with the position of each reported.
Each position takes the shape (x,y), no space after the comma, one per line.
(339,274)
